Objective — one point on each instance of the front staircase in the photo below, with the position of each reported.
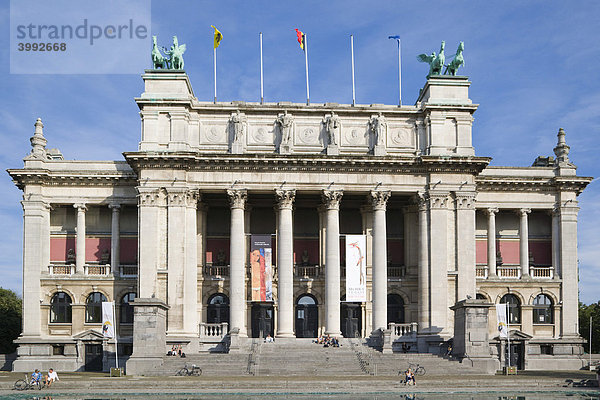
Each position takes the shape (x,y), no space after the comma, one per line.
(303,357)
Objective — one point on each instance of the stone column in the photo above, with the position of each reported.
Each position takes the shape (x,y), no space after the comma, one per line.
(491,242)
(569,268)
(176,236)
(237,274)
(115,231)
(331,199)
(438,258)
(80,239)
(465,245)
(555,213)
(150,200)
(190,272)
(423,277)
(524,242)
(46,237)
(379,288)
(34,214)
(285,263)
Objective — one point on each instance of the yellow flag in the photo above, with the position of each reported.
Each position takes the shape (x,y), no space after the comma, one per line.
(218,37)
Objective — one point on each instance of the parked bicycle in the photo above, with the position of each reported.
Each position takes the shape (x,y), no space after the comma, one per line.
(26,384)
(416,369)
(194,370)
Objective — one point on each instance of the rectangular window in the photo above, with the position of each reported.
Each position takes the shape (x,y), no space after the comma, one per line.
(546,349)
(58,349)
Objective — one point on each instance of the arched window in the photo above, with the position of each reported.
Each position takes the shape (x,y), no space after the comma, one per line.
(217,311)
(127,308)
(93,307)
(307,300)
(514,308)
(480,296)
(542,309)
(395,309)
(60,308)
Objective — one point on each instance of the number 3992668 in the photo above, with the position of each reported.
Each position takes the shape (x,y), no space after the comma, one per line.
(41,46)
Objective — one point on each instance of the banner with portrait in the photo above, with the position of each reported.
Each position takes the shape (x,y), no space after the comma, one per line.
(108,320)
(502,320)
(261,269)
(356,268)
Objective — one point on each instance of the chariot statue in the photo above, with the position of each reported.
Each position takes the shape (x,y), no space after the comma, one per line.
(174,54)
(436,62)
(457,61)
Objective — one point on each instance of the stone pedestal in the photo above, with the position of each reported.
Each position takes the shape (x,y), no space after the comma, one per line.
(237,148)
(149,335)
(379,150)
(386,347)
(333,150)
(285,149)
(471,342)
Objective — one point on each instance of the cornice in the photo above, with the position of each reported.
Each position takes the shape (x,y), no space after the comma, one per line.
(533,184)
(306,163)
(45,177)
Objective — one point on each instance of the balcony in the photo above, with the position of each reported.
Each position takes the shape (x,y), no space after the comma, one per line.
(61,269)
(481,271)
(128,271)
(213,333)
(97,269)
(306,271)
(396,272)
(541,271)
(509,271)
(216,271)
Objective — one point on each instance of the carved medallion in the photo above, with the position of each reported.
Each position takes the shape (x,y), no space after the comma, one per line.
(260,135)
(213,135)
(354,136)
(403,136)
(308,136)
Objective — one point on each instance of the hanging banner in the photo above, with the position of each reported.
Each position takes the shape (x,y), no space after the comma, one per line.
(108,320)
(501,316)
(356,268)
(261,267)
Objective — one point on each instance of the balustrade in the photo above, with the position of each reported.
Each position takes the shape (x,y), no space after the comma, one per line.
(306,271)
(481,271)
(396,271)
(97,269)
(213,331)
(541,271)
(216,270)
(128,270)
(61,269)
(509,271)
(403,331)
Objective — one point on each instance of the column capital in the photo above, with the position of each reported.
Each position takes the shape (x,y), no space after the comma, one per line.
(176,197)
(192,198)
(465,201)
(237,197)
(80,206)
(491,211)
(285,198)
(151,197)
(523,211)
(115,207)
(438,200)
(420,199)
(332,198)
(379,198)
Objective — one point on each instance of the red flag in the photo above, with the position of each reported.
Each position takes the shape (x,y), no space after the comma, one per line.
(300,38)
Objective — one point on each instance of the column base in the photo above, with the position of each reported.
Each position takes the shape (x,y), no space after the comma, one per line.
(284,335)
(333,333)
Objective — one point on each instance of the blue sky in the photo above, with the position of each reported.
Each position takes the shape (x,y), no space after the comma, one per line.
(533,64)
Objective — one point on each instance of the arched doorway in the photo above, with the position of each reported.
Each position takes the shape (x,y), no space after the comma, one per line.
(262,320)
(307,317)
(217,310)
(351,316)
(395,312)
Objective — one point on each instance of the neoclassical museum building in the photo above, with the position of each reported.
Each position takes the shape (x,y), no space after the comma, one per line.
(234,220)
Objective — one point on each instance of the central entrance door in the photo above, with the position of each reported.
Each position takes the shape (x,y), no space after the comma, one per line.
(307,317)
(93,357)
(217,310)
(351,320)
(262,320)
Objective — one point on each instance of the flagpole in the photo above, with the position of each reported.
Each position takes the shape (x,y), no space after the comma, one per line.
(261,71)
(399,73)
(590,350)
(215,71)
(306,61)
(352,52)
(115,329)
(508,332)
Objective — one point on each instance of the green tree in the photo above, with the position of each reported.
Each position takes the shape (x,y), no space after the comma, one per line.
(585,312)
(10,328)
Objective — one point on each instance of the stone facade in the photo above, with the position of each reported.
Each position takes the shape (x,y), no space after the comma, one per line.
(171,224)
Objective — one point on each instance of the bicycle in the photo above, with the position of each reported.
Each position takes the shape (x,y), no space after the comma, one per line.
(25,384)
(417,369)
(193,371)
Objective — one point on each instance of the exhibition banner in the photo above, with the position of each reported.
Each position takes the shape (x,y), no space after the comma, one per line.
(501,316)
(356,268)
(261,267)
(108,321)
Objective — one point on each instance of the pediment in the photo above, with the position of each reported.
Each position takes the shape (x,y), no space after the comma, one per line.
(88,335)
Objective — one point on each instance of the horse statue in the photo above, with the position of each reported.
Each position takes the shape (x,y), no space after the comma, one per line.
(436,62)
(457,61)
(175,54)
(158,61)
